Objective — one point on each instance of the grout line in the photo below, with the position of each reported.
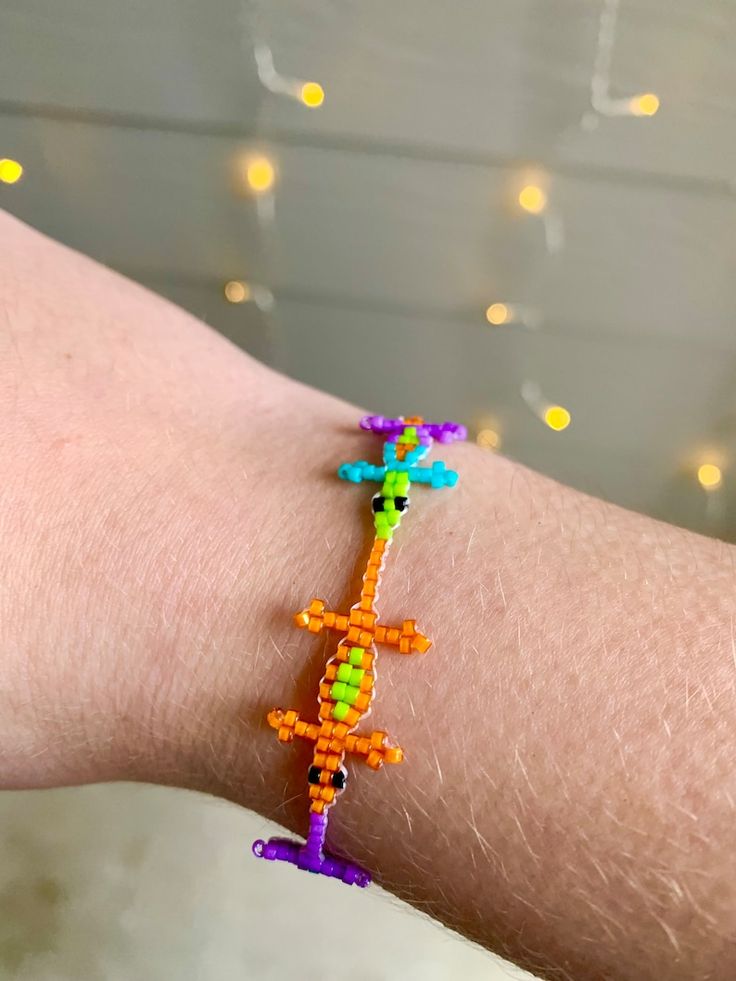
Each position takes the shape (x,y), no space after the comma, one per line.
(426,153)
(634,338)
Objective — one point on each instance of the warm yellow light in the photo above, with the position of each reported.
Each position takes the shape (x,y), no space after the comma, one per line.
(260,174)
(710,476)
(10,171)
(532,199)
(645,104)
(557,417)
(498,313)
(489,439)
(237,291)
(312,95)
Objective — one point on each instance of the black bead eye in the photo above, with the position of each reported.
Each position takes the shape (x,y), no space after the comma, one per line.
(339,778)
(400,503)
(377,503)
(313,774)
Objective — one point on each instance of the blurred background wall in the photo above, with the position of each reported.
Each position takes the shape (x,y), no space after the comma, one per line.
(515,213)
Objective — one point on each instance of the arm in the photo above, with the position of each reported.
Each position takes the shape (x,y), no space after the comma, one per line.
(167,504)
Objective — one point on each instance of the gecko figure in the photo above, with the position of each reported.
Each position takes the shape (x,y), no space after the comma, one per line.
(347,686)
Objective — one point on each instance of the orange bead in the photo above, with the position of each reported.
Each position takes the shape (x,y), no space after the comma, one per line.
(377,739)
(353,717)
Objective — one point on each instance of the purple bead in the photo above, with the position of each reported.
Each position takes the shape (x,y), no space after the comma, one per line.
(317,820)
(350,874)
(378,424)
(309,857)
(443,432)
(446,432)
(309,862)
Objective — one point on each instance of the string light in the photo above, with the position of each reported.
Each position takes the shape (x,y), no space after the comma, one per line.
(236,291)
(710,476)
(312,95)
(557,417)
(488,439)
(11,171)
(498,313)
(642,104)
(645,104)
(518,314)
(530,193)
(260,174)
(533,199)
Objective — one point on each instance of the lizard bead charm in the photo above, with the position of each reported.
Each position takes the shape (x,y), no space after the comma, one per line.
(347,686)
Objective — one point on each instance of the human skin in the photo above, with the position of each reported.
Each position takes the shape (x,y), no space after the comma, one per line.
(166,505)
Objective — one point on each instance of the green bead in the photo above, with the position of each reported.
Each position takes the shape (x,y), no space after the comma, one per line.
(345,673)
(340,710)
(356,655)
(338,691)
(356,676)
(350,694)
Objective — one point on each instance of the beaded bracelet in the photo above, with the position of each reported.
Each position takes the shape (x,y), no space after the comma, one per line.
(346,688)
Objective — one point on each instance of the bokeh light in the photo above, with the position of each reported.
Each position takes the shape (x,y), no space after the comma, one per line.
(532,199)
(11,171)
(312,95)
(645,104)
(236,291)
(488,439)
(260,174)
(557,417)
(498,313)
(710,476)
